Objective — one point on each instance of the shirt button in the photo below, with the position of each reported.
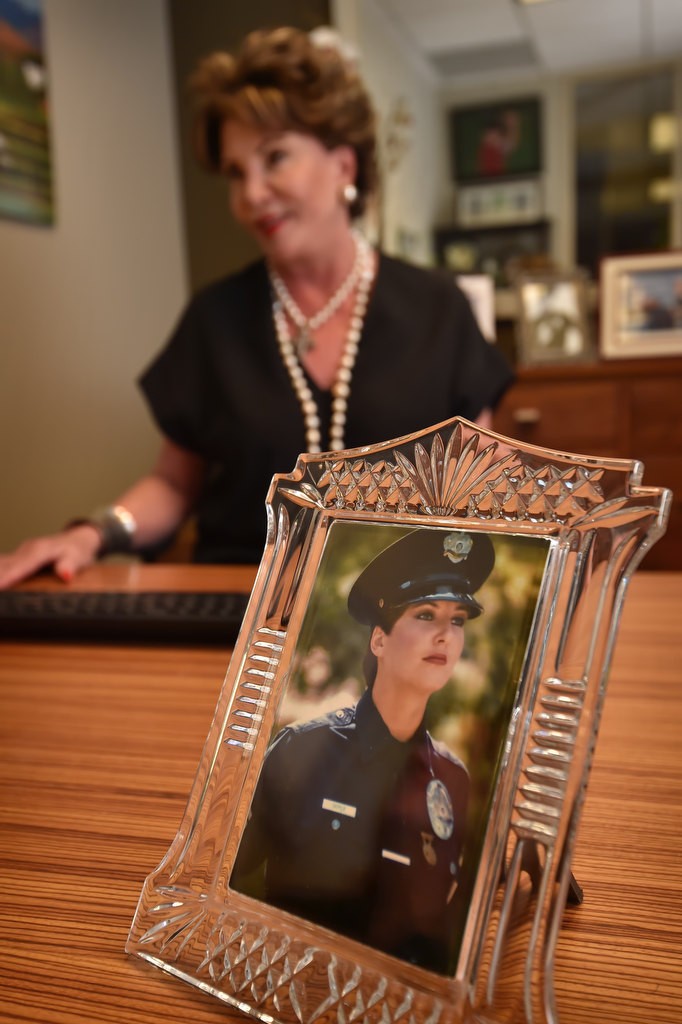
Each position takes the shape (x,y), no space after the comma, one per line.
(336,824)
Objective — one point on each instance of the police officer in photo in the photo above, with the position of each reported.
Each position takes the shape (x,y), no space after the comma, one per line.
(358,818)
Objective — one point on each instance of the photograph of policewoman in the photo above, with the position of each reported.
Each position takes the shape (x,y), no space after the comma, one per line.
(358,818)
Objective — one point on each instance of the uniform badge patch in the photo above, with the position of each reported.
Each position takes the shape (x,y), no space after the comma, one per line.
(457,546)
(439,806)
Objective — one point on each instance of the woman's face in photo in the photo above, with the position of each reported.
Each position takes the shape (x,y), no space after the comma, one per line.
(285,187)
(423,646)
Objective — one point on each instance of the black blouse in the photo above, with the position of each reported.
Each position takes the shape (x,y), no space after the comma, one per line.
(340,832)
(220,389)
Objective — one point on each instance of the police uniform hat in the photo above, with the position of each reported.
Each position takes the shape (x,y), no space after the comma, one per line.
(426,565)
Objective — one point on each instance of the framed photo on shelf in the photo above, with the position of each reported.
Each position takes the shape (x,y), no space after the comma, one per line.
(553,324)
(496,140)
(495,251)
(403,735)
(640,305)
(480,291)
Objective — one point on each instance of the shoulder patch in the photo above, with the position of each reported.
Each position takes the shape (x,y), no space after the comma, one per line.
(339,717)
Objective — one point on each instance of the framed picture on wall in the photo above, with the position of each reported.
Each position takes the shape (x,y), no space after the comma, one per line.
(26,177)
(641,305)
(496,140)
(502,202)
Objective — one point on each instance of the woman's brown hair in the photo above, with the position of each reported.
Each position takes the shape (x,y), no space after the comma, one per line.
(282,80)
(370,663)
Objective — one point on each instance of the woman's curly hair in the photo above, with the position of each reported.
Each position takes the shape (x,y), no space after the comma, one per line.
(282,80)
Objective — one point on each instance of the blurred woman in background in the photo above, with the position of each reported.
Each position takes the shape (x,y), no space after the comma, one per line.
(322,344)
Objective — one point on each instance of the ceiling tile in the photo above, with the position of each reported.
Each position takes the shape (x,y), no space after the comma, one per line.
(457,24)
(474,38)
(663,27)
(485,60)
(586,33)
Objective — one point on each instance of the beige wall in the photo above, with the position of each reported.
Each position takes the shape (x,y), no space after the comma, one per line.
(87,302)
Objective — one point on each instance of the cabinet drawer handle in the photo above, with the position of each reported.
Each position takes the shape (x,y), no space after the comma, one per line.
(526,415)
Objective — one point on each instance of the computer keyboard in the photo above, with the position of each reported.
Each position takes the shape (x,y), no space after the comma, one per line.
(168,616)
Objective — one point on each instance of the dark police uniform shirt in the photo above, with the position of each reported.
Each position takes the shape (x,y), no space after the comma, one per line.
(340,833)
(219,388)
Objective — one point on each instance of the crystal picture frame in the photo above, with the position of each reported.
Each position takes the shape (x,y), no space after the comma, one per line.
(567,532)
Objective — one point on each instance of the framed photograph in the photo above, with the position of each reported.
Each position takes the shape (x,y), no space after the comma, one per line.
(382,820)
(496,140)
(480,291)
(495,251)
(641,305)
(26,174)
(553,324)
(365,819)
(506,202)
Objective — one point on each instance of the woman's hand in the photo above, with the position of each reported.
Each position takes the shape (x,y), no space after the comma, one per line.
(67,552)
(158,502)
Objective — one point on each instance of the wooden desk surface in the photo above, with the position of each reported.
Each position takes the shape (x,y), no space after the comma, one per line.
(98,750)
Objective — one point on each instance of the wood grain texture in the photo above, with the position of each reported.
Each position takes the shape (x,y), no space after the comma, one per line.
(627,408)
(98,750)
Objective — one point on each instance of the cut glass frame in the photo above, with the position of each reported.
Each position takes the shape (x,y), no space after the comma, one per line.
(520,712)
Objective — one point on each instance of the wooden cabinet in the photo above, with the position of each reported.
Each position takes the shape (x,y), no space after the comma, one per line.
(628,409)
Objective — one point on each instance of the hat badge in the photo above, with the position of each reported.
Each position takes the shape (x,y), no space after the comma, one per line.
(456,546)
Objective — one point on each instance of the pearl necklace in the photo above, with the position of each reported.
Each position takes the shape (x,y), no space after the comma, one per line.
(304,341)
(341,386)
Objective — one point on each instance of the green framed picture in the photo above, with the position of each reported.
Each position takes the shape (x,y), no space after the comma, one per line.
(26,178)
(496,140)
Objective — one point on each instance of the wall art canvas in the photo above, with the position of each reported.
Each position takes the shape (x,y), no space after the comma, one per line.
(26,180)
(496,140)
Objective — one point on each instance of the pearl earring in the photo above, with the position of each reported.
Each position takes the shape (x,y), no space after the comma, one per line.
(350,193)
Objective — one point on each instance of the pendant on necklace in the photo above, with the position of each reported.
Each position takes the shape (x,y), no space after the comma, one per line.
(430,855)
(304,341)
